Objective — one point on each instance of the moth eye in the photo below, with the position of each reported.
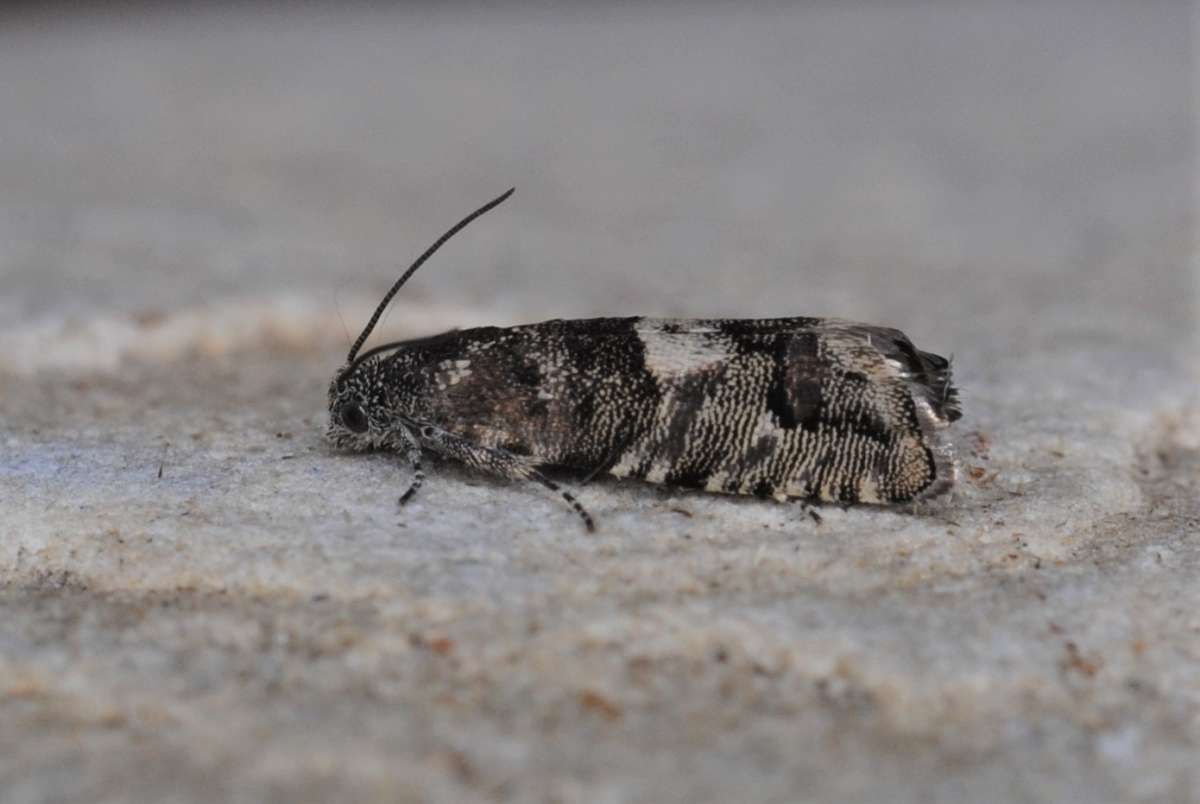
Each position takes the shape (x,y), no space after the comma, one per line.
(353,418)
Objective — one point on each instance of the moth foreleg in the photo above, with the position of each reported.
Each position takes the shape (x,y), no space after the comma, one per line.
(497,462)
(418,480)
(411,449)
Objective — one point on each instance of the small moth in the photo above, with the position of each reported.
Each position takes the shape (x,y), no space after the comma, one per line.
(809,408)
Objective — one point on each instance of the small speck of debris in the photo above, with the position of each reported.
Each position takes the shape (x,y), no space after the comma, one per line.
(442,646)
(596,703)
(148,319)
(1076,661)
(461,766)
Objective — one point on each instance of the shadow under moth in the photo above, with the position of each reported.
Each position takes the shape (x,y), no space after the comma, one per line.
(817,409)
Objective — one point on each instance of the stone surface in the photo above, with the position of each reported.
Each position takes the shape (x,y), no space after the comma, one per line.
(200,602)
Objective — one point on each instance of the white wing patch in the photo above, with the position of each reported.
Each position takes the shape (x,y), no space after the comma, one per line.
(453,372)
(670,355)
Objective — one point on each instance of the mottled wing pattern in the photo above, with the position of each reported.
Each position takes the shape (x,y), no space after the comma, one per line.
(561,392)
(797,407)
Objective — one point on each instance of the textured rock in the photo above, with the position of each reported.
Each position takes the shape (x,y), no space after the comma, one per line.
(200,602)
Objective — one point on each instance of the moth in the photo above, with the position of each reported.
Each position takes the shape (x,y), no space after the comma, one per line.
(816,409)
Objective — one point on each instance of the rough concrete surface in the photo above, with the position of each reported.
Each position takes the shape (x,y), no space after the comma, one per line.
(199,601)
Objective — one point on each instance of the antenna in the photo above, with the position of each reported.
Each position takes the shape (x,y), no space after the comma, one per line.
(412,269)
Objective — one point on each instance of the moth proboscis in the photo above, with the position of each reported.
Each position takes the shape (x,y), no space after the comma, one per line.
(816,409)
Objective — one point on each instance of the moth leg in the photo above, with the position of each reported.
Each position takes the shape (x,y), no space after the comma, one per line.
(412,453)
(417,481)
(601,467)
(566,495)
(497,462)
(590,476)
(811,510)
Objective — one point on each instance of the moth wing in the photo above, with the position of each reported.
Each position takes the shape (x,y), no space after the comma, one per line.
(927,374)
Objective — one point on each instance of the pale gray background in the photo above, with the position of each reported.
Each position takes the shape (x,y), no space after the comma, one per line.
(192,200)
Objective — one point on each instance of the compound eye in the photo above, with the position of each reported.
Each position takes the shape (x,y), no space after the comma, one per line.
(353,418)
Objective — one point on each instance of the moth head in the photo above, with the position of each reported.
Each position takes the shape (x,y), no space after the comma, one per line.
(357,408)
(359,417)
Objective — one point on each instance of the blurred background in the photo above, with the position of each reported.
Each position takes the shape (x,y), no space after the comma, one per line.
(988,176)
